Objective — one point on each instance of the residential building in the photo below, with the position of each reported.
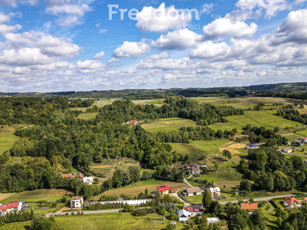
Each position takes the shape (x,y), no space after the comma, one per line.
(163,190)
(183,215)
(193,169)
(133,122)
(194,210)
(192,191)
(305,139)
(213,220)
(292,202)
(88,180)
(13,207)
(68,176)
(174,190)
(80,177)
(214,191)
(249,206)
(287,150)
(252,145)
(76,202)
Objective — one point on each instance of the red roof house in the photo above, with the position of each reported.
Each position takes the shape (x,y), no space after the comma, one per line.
(249,206)
(67,175)
(292,202)
(134,122)
(10,207)
(163,189)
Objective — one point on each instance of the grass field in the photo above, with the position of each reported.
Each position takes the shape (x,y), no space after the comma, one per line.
(36,195)
(140,186)
(7,138)
(109,221)
(87,116)
(168,124)
(256,118)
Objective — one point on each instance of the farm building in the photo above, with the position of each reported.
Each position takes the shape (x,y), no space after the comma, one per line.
(163,190)
(76,202)
(287,150)
(13,207)
(292,202)
(192,191)
(252,145)
(249,206)
(183,215)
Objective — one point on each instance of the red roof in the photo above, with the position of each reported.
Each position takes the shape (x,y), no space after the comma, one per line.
(174,189)
(163,188)
(67,175)
(249,206)
(133,121)
(80,175)
(189,209)
(77,197)
(291,200)
(5,207)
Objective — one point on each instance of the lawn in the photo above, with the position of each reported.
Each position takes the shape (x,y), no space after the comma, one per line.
(140,186)
(87,116)
(167,124)
(256,118)
(198,199)
(37,195)
(109,221)
(7,138)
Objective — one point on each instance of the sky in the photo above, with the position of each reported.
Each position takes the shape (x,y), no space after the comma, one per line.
(84,45)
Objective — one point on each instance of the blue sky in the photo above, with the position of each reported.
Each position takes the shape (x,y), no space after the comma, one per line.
(63,45)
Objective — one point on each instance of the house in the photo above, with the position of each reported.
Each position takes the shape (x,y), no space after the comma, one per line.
(292,202)
(13,207)
(68,176)
(133,122)
(80,177)
(252,145)
(214,191)
(192,191)
(193,169)
(174,190)
(249,206)
(287,150)
(213,220)
(304,200)
(76,202)
(163,190)
(305,139)
(195,210)
(88,180)
(183,215)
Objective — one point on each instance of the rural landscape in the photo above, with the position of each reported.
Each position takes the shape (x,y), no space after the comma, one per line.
(218,160)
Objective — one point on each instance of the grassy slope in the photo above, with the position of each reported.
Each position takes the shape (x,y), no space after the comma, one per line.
(7,139)
(168,124)
(110,221)
(37,195)
(87,116)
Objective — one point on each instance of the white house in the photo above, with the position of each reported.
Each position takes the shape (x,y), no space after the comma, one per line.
(287,150)
(292,202)
(183,215)
(13,207)
(88,180)
(192,191)
(76,202)
(213,220)
(214,191)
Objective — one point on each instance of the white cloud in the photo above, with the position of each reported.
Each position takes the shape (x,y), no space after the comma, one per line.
(13,3)
(164,64)
(102,31)
(132,49)
(225,27)
(207,8)
(78,10)
(209,49)
(179,39)
(99,55)
(90,66)
(162,19)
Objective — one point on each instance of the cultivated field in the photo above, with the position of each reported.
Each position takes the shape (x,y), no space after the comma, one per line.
(36,195)
(167,124)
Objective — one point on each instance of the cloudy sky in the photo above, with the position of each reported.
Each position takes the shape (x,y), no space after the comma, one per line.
(63,45)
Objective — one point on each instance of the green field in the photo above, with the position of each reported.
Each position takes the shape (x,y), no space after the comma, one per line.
(198,149)
(7,139)
(37,195)
(167,124)
(256,118)
(87,116)
(109,221)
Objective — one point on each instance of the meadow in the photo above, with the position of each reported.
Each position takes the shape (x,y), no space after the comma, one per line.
(87,116)
(35,195)
(7,138)
(167,124)
(120,221)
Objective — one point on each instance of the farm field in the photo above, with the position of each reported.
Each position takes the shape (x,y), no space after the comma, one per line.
(256,118)
(36,195)
(121,221)
(87,116)
(140,186)
(168,124)
(7,138)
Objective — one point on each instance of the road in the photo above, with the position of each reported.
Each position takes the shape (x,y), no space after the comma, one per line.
(256,199)
(84,212)
(181,200)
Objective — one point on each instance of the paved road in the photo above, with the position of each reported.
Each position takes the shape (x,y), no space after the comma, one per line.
(84,212)
(256,199)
